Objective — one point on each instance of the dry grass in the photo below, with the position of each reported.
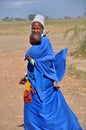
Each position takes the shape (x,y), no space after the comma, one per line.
(22,27)
(13,44)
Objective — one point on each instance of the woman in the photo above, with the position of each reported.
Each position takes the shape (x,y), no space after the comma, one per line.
(48,109)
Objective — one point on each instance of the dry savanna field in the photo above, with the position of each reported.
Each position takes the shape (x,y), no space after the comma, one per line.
(14,41)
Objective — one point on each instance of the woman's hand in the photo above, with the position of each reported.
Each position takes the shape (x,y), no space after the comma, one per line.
(23,80)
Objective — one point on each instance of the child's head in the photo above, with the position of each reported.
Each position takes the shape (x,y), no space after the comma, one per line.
(35,38)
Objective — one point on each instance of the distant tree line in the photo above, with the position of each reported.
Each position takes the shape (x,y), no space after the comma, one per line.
(31,16)
(12,19)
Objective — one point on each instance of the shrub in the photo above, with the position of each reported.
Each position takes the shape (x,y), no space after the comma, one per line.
(79,51)
(78,39)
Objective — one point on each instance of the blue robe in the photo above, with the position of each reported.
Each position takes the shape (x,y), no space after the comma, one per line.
(48,109)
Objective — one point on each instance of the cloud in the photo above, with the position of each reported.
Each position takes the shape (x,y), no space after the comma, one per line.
(19,4)
(50,8)
(13,4)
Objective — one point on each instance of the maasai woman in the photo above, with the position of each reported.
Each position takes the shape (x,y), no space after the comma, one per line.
(47,109)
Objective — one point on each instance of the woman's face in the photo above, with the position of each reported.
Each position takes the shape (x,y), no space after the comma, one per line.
(37,28)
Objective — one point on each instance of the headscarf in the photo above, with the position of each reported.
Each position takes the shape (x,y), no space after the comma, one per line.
(39,18)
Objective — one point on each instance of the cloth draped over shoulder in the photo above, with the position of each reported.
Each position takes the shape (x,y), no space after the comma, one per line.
(51,65)
(46,64)
(48,109)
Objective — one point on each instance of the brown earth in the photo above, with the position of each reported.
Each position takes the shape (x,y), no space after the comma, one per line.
(13,68)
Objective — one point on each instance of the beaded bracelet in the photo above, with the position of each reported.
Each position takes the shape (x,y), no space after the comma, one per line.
(26,77)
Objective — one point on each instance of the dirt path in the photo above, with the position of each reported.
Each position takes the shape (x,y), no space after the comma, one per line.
(11,94)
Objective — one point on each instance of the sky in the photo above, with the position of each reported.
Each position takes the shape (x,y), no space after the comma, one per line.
(49,8)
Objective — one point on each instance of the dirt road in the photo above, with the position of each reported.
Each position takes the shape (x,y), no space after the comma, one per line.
(13,67)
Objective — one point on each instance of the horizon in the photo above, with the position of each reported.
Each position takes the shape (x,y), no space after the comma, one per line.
(56,9)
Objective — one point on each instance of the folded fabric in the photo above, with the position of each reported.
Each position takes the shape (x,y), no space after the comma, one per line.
(45,64)
(51,65)
(60,63)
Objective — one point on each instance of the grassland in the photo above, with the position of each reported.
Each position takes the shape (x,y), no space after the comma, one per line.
(14,42)
(22,27)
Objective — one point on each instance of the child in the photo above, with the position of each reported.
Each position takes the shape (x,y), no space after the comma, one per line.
(35,39)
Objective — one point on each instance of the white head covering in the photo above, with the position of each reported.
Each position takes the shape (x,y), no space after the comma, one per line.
(39,18)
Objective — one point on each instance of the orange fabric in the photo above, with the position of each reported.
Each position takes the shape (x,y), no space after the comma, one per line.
(27,93)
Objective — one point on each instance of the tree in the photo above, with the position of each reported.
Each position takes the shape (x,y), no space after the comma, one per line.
(67,17)
(6,19)
(31,16)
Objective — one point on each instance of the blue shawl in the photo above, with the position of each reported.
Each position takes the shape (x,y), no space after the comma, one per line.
(46,64)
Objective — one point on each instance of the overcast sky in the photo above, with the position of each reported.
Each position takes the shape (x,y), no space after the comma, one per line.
(50,8)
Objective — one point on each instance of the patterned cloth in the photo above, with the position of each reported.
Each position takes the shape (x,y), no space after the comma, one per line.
(28,92)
